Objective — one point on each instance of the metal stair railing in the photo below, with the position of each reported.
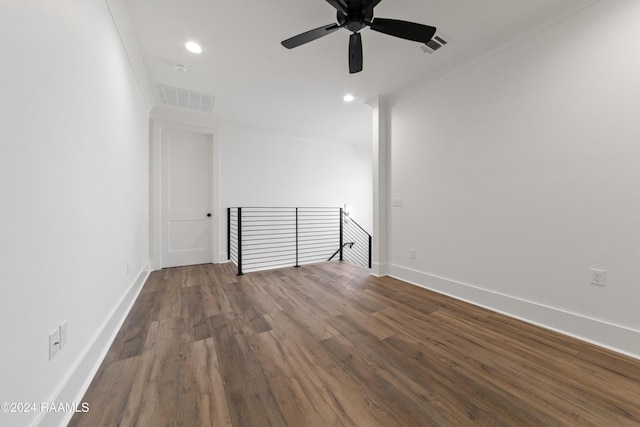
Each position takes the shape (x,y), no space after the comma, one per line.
(274,237)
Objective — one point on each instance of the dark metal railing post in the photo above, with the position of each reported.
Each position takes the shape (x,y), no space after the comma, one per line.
(369,250)
(228,233)
(297,264)
(240,242)
(341,233)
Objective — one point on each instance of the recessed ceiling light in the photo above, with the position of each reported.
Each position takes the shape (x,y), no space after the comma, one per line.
(193,47)
(348,98)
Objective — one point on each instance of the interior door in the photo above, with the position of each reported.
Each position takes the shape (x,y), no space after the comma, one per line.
(187,184)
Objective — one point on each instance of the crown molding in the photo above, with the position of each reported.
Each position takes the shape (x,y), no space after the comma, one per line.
(122,23)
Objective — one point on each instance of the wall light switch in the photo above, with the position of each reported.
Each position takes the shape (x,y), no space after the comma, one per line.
(54,343)
(63,334)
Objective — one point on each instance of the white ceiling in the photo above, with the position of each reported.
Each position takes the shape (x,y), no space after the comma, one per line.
(258,83)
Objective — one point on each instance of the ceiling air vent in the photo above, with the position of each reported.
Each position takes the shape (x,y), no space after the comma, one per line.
(188,100)
(437,42)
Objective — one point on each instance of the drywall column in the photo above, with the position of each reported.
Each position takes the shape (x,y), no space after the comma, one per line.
(381,163)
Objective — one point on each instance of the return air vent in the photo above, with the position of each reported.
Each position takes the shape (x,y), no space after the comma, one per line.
(181,98)
(438,41)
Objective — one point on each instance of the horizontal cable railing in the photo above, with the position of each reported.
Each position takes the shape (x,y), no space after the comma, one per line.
(359,249)
(265,238)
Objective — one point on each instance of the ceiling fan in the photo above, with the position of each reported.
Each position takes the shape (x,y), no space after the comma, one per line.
(354,15)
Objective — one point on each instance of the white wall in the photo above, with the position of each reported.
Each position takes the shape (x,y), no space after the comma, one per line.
(74,194)
(521,172)
(268,169)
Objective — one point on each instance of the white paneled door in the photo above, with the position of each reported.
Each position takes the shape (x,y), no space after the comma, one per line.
(187,183)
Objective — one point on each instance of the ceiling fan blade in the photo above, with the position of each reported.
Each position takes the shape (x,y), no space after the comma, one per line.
(309,36)
(355,53)
(370,4)
(403,29)
(340,5)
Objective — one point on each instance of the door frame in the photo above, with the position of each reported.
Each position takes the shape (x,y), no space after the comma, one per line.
(158,127)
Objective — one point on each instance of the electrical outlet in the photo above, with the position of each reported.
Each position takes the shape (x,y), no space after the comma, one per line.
(54,342)
(598,277)
(63,334)
(412,253)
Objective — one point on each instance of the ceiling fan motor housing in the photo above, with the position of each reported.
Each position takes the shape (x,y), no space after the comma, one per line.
(355,20)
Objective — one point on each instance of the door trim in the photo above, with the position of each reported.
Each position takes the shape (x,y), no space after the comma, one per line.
(155,183)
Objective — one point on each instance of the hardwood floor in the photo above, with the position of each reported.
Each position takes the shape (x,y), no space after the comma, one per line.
(330,345)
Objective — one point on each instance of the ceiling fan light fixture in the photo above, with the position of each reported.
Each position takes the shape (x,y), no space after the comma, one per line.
(193,47)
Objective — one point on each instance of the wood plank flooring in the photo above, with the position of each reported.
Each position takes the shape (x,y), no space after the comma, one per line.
(330,345)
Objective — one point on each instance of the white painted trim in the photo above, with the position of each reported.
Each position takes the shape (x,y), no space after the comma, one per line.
(76,383)
(381,163)
(155,195)
(614,337)
(122,23)
(379,270)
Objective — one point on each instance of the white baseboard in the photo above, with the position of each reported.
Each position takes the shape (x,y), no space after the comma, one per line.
(379,270)
(604,334)
(77,382)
